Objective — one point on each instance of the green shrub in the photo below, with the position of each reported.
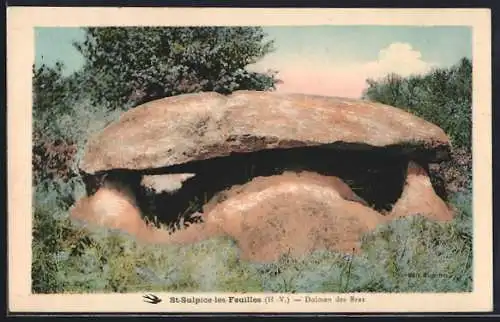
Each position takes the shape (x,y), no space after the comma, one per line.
(53,236)
(443,97)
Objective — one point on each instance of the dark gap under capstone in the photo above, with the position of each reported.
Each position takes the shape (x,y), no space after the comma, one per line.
(375,174)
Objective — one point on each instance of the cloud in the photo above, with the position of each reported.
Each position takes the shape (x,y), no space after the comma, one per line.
(399,58)
(324,76)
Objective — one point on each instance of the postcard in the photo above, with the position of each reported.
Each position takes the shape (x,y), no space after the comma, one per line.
(202,160)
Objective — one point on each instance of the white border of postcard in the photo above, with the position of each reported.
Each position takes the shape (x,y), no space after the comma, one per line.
(20,56)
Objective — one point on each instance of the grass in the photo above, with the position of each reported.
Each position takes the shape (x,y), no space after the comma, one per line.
(407,255)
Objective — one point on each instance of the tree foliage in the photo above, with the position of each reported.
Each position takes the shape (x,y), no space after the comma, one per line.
(131,65)
(126,66)
(443,97)
(52,95)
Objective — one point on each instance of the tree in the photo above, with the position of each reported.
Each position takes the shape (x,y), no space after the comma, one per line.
(50,90)
(53,97)
(443,96)
(127,66)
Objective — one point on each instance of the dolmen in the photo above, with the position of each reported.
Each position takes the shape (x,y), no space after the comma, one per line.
(277,172)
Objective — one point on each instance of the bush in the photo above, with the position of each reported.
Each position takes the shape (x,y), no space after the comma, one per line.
(58,147)
(443,97)
(54,239)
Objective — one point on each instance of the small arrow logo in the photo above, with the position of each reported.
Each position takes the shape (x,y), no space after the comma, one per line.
(152,299)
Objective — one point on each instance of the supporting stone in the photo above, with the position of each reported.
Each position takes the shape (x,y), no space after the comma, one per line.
(292,214)
(419,197)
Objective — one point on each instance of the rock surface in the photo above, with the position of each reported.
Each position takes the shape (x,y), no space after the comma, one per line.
(181,129)
(292,213)
(114,208)
(419,198)
(111,208)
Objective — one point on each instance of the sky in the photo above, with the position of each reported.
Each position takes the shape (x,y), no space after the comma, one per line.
(323,60)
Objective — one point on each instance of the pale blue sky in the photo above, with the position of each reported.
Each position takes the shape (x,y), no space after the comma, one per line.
(444,45)
(333,52)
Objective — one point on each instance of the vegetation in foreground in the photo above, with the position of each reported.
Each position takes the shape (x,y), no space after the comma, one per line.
(407,255)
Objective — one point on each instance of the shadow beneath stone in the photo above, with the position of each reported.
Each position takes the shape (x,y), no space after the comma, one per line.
(377,175)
